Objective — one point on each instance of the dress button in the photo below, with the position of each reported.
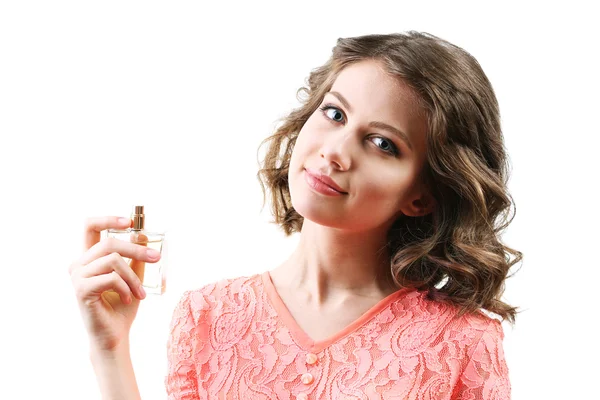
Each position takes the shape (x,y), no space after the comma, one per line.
(302,396)
(311,358)
(307,379)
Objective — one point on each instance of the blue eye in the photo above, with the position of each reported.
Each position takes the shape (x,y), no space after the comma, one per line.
(390,148)
(332,115)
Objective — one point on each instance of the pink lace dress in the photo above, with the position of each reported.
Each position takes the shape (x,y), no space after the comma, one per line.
(235,339)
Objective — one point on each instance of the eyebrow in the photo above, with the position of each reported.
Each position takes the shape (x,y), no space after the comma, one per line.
(375,124)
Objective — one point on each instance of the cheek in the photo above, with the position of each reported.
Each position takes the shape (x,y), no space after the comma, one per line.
(308,140)
(385,188)
(313,126)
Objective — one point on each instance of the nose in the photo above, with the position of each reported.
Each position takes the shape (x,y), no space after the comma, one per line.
(337,148)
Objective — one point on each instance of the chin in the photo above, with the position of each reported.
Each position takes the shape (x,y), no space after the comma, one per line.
(317,213)
(321,214)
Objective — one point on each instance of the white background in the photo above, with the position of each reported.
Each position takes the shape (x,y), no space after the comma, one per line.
(104,105)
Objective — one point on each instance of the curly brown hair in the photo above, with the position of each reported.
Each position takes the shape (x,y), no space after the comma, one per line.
(455,252)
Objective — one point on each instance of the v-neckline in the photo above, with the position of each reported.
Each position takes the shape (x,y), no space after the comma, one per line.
(301,337)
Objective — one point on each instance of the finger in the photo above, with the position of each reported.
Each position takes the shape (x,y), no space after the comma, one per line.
(137,266)
(94,225)
(124,248)
(89,290)
(110,263)
(74,266)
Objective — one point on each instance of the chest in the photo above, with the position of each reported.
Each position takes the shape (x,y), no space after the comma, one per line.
(327,321)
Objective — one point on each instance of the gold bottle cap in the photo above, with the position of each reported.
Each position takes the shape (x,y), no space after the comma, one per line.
(138,217)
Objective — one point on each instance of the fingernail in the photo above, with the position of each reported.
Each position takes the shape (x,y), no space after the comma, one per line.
(124,221)
(152,253)
(143,292)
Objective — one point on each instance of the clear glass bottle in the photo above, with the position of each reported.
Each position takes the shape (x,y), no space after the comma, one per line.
(152,275)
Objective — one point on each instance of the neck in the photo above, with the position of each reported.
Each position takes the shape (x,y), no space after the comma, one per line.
(329,263)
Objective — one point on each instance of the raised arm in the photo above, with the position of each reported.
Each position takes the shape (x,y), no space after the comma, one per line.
(108,291)
(114,373)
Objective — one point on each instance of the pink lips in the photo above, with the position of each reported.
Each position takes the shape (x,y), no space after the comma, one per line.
(322,183)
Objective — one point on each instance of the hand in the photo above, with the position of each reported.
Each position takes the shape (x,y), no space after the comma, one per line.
(108,315)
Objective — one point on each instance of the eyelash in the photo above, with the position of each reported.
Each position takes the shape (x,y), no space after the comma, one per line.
(394,151)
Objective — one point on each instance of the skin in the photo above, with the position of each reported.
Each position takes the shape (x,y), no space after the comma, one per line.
(334,267)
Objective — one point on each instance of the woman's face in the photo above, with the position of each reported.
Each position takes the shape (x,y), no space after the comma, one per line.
(355,138)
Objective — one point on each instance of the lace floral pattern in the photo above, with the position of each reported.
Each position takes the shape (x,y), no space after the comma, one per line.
(229,340)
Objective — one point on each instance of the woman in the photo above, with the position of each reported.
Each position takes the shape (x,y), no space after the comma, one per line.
(394,172)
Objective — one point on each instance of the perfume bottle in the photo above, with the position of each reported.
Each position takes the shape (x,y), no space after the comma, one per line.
(152,275)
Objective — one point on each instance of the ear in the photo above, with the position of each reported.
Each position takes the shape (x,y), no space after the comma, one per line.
(420,206)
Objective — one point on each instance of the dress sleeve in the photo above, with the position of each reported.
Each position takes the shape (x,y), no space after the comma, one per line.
(486,375)
(181,381)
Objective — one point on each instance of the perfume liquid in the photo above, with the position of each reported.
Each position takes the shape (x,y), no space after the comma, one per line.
(152,275)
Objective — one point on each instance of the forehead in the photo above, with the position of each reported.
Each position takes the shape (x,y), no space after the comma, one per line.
(376,95)
(367,82)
